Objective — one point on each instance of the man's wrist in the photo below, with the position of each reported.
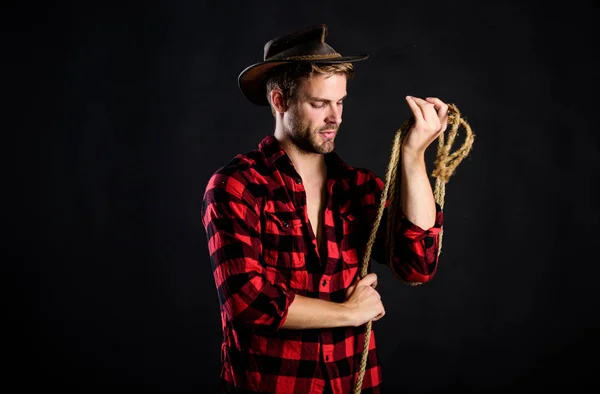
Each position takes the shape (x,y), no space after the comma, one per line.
(348,314)
(412,158)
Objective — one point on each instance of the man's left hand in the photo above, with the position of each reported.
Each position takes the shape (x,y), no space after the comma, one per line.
(430,119)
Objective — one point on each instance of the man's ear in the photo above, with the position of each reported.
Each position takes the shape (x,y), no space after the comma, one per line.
(278,101)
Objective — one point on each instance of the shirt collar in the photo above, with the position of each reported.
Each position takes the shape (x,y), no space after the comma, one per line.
(272,152)
(270,148)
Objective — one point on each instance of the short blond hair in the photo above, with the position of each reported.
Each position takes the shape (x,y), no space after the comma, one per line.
(288,77)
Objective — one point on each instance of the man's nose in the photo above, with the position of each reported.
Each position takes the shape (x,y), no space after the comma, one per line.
(335,114)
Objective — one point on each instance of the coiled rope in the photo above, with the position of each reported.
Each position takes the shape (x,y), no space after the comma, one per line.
(445,164)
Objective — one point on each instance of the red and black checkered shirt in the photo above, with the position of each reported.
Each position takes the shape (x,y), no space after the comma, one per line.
(263,252)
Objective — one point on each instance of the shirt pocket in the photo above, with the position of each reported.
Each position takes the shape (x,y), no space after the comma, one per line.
(283,240)
(351,238)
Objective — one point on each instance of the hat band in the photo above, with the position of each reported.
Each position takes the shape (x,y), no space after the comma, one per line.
(314,57)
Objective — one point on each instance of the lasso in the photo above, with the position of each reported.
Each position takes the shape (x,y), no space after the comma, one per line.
(445,164)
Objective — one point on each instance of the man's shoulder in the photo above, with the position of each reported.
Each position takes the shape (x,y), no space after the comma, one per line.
(240,165)
(239,175)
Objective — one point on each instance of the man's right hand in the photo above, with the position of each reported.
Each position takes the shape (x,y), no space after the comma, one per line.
(364,301)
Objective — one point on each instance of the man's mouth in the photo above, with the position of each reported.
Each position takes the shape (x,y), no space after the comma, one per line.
(329,134)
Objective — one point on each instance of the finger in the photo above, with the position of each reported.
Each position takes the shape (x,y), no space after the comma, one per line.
(442,110)
(427,109)
(369,280)
(382,314)
(444,125)
(374,284)
(415,108)
(349,291)
(439,105)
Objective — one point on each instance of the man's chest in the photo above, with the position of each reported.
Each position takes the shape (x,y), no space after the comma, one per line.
(311,241)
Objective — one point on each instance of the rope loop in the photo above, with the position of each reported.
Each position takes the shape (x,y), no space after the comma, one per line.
(444,167)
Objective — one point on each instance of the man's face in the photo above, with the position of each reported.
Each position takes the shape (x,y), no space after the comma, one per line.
(313,119)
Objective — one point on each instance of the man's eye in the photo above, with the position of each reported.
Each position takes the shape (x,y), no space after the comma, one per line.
(318,105)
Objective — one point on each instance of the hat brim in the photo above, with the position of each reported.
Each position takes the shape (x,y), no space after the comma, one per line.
(252,80)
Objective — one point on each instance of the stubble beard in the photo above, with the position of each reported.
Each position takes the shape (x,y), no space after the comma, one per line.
(309,140)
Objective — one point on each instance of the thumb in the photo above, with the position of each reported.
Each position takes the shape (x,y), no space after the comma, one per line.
(351,288)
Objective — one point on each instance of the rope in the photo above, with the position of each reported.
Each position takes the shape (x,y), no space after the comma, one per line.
(445,164)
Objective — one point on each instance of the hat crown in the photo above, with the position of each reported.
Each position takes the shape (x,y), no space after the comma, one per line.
(306,42)
(303,46)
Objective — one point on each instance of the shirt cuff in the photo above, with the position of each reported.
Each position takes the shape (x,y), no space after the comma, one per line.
(415,233)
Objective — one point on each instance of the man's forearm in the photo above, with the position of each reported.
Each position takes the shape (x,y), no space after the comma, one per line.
(306,312)
(418,203)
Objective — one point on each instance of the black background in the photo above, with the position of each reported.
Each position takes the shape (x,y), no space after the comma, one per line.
(120,112)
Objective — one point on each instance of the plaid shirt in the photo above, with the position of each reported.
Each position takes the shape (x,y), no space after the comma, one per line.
(263,252)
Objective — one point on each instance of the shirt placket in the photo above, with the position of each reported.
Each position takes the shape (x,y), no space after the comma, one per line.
(298,194)
(299,200)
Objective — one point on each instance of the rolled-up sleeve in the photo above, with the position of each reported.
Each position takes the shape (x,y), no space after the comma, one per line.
(414,258)
(232,223)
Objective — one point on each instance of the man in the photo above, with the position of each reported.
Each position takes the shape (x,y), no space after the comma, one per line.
(287,225)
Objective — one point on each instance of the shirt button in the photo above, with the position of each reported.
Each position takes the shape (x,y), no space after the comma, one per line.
(298,180)
(324,283)
(286,224)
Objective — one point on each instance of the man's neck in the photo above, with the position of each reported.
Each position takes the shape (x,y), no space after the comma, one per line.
(310,166)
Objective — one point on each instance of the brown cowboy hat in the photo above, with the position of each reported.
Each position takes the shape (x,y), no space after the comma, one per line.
(303,46)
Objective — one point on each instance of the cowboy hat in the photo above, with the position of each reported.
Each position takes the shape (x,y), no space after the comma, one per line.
(303,46)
